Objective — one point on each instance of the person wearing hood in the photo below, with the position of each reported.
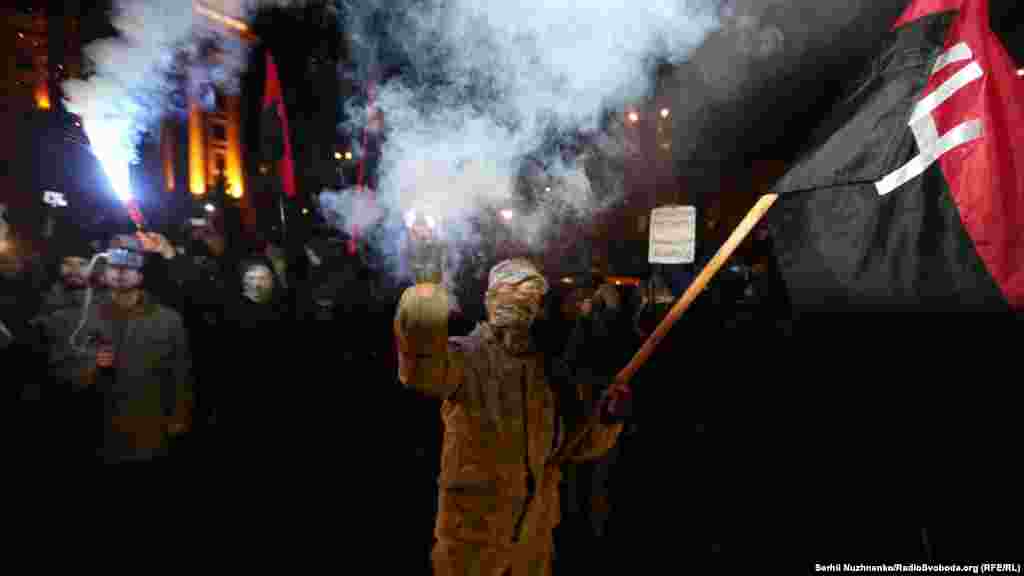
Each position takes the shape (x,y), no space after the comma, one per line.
(256,329)
(511,419)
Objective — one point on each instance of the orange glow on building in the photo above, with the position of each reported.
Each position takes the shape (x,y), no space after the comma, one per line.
(233,168)
(212,143)
(196,151)
(42,95)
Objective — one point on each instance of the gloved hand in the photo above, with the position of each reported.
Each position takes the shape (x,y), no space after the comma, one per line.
(421,326)
(615,402)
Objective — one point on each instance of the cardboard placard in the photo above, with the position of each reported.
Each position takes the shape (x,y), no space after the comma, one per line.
(673,235)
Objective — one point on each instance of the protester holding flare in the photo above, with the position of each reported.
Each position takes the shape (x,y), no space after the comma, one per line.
(509,412)
(134,352)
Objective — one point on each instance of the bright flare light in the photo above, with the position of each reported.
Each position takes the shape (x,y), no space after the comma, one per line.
(507,214)
(337,155)
(664,112)
(1020,72)
(115,153)
(210,208)
(634,117)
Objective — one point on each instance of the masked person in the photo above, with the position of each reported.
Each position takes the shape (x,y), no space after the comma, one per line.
(134,353)
(259,290)
(509,418)
(255,328)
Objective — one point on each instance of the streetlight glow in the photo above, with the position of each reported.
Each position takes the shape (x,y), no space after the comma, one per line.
(348,155)
(210,208)
(507,214)
(337,155)
(664,112)
(634,117)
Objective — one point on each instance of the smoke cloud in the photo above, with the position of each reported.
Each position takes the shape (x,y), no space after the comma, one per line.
(138,75)
(501,106)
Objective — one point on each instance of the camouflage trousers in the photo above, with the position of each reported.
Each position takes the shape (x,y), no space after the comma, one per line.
(453,558)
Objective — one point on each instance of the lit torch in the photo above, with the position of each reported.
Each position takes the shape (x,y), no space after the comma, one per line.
(424,248)
(115,156)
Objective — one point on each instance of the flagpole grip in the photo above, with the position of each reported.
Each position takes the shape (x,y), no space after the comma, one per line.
(697,286)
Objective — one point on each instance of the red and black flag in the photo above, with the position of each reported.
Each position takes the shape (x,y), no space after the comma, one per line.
(276,144)
(913,198)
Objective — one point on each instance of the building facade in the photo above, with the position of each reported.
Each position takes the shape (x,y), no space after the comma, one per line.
(207,145)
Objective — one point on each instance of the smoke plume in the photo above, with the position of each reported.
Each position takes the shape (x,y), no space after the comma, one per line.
(138,75)
(500,106)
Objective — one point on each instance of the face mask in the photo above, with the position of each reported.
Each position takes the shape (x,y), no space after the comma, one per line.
(511,314)
(515,306)
(258,284)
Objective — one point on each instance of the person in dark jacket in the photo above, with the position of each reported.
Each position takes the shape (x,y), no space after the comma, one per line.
(133,352)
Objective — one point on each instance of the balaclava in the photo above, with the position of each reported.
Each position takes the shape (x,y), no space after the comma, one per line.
(257,282)
(515,290)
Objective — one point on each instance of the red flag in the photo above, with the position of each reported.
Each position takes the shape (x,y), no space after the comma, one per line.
(273,104)
(970,118)
(922,8)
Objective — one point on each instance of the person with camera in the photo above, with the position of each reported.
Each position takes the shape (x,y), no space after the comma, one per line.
(133,352)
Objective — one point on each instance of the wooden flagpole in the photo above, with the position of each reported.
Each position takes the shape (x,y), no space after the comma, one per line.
(696,287)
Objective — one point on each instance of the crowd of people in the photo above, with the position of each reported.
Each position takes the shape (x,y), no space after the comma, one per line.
(227,356)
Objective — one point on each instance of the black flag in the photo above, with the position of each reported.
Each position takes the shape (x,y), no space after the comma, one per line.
(912,199)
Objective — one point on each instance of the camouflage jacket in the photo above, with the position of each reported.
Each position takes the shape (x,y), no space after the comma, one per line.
(505,417)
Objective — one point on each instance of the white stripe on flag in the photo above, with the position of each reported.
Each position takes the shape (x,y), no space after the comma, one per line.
(962,134)
(957,53)
(962,78)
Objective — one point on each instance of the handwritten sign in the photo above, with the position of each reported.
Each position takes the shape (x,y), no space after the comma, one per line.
(673,235)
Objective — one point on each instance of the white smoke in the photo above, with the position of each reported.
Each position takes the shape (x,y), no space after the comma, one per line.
(136,74)
(490,83)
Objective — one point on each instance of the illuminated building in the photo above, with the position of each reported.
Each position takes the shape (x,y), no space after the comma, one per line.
(195,156)
(26,44)
(37,54)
